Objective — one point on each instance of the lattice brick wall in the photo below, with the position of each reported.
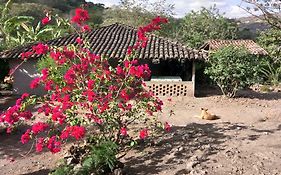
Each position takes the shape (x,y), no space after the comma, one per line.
(171,88)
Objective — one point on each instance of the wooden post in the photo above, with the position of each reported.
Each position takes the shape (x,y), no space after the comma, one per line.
(193,77)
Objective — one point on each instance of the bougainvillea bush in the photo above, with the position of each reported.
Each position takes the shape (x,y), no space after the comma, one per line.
(89,100)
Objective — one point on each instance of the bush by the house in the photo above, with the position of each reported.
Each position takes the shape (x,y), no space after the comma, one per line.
(233,68)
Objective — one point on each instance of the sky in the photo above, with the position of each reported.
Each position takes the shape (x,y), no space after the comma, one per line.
(230,8)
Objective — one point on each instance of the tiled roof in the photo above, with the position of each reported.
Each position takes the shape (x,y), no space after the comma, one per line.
(113,41)
(254,48)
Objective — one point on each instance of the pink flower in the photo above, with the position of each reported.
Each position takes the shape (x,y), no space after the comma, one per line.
(39,144)
(49,85)
(129,50)
(40,49)
(25,95)
(25,55)
(124,95)
(25,137)
(85,28)
(79,40)
(46,20)
(53,145)
(45,73)
(143,134)
(78,132)
(123,131)
(39,127)
(26,115)
(80,16)
(70,76)
(90,84)
(58,116)
(167,127)
(34,84)
(64,134)
(119,70)
(68,53)
(98,120)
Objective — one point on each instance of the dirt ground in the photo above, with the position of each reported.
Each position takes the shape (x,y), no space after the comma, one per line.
(245,140)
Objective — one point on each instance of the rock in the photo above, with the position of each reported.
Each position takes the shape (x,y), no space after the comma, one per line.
(193,161)
(198,172)
(118,171)
(180,149)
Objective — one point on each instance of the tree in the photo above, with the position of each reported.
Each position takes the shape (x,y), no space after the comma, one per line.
(197,27)
(137,12)
(270,40)
(270,9)
(233,68)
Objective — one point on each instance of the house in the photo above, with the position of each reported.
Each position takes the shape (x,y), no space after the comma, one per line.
(172,64)
(250,45)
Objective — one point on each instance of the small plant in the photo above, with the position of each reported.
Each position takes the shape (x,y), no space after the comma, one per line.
(271,73)
(233,68)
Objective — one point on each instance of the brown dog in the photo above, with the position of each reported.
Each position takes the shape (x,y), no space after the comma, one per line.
(205,115)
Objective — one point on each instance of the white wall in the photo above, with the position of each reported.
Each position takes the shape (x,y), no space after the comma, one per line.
(23,77)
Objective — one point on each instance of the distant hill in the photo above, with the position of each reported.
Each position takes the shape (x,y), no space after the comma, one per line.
(252,24)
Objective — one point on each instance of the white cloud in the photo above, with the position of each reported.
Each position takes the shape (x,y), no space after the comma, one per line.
(107,3)
(235,12)
(182,7)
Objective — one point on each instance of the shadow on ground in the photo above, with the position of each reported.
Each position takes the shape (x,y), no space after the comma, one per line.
(10,144)
(247,93)
(259,95)
(179,146)
(40,172)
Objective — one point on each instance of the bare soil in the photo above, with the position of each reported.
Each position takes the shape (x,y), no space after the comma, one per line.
(245,140)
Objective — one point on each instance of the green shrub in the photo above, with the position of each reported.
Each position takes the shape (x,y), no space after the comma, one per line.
(91,159)
(233,68)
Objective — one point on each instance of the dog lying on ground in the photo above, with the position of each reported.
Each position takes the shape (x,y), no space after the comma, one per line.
(205,115)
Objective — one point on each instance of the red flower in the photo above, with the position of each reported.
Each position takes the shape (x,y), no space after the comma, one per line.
(91,84)
(39,144)
(68,53)
(79,40)
(46,20)
(98,120)
(25,137)
(80,16)
(34,84)
(49,85)
(143,134)
(85,28)
(167,126)
(124,95)
(129,50)
(77,132)
(45,73)
(40,49)
(25,55)
(53,145)
(58,116)
(64,134)
(26,115)
(39,127)
(119,70)
(70,76)
(123,131)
